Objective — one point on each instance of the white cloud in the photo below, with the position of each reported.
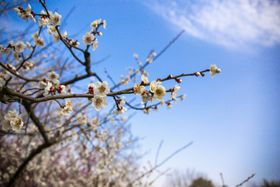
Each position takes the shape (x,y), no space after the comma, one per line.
(230,23)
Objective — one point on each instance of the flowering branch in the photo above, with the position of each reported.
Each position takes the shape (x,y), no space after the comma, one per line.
(33,81)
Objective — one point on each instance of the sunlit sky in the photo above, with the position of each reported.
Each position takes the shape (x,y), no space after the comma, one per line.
(233,118)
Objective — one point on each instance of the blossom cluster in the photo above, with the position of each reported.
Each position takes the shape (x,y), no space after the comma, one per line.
(90,37)
(17,48)
(52,85)
(99,90)
(25,14)
(12,121)
(66,109)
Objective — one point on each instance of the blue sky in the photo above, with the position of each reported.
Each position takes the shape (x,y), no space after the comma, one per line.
(232,118)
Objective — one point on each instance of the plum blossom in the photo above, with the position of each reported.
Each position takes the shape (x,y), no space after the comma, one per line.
(94,123)
(138,89)
(37,40)
(153,85)
(158,90)
(12,121)
(145,96)
(94,45)
(95,23)
(55,19)
(120,106)
(101,88)
(44,19)
(27,65)
(174,92)
(99,102)
(25,14)
(49,89)
(144,79)
(82,118)
(88,38)
(19,47)
(214,70)
(66,109)
(52,31)
(53,77)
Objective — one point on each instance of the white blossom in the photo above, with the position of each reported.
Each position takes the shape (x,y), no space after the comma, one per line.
(25,14)
(82,118)
(44,19)
(29,12)
(10,115)
(120,106)
(95,23)
(101,88)
(27,65)
(55,19)
(37,40)
(28,45)
(43,84)
(94,45)
(12,121)
(214,70)
(53,77)
(48,89)
(153,85)
(16,123)
(159,92)
(52,30)
(144,79)
(67,109)
(19,47)
(174,92)
(138,89)
(99,102)
(88,38)
(6,125)
(145,96)
(94,123)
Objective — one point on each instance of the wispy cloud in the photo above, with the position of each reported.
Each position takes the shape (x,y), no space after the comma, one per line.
(230,23)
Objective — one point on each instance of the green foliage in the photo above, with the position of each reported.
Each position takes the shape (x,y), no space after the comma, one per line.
(201,182)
